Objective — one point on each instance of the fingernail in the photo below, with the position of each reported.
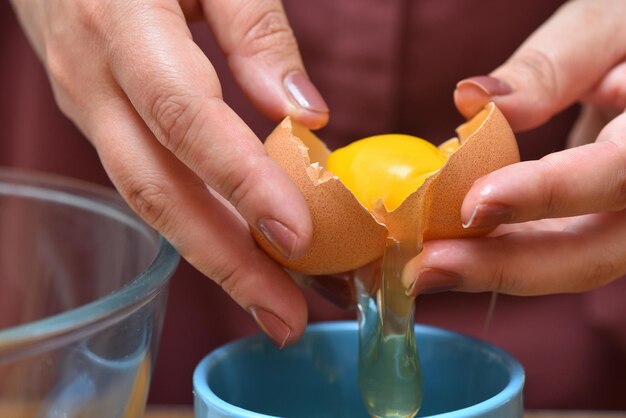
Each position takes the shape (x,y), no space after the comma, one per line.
(473,93)
(304,93)
(275,328)
(432,280)
(489,214)
(486,85)
(282,238)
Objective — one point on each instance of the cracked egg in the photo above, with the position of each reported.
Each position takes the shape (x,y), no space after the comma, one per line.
(351,231)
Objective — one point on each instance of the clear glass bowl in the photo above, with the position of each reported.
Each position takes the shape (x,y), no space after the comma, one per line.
(83,287)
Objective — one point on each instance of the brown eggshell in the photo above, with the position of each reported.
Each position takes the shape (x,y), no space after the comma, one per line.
(345,235)
(485,143)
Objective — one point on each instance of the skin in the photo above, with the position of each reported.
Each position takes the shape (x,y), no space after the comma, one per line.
(150,102)
(568,219)
(131,78)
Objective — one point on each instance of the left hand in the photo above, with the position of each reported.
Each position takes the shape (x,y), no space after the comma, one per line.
(563,216)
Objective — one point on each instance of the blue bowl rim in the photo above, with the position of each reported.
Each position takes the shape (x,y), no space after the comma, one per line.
(103,200)
(510,391)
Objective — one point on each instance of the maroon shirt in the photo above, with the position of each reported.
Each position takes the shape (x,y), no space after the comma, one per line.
(382,66)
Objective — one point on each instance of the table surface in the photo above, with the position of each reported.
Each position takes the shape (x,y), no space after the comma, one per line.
(187,412)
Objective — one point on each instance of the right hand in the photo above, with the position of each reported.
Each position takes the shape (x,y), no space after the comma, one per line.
(131,78)
(561,219)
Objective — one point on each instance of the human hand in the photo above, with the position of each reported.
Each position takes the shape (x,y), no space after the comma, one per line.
(131,78)
(564,215)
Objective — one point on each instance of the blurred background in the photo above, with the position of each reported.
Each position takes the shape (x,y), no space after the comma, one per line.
(382,66)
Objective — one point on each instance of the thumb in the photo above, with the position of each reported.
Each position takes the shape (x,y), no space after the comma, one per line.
(263,55)
(556,66)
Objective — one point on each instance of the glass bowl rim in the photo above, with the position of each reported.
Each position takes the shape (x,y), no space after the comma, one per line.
(145,285)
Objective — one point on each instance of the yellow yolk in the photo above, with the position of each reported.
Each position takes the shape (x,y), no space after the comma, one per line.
(385,168)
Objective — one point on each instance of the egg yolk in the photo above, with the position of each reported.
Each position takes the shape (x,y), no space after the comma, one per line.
(385,168)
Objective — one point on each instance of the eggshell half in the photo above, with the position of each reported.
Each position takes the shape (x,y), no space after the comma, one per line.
(345,234)
(484,144)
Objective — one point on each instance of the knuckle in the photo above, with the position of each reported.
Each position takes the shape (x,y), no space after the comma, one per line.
(269,33)
(503,278)
(69,98)
(240,182)
(596,274)
(177,118)
(151,201)
(89,13)
(552,187)
(543,72)
(70,77)
(60,79)
(227,276)
(502,281)
(619,198)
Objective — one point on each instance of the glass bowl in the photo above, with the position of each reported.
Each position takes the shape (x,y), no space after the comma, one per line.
(83,288)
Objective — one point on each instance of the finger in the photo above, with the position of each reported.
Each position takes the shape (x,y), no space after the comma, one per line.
(587,253)
(175,90)
(344,289)
(177,203)
(590,122)
(585,179)
(556,66)
(263,55)
(611,91)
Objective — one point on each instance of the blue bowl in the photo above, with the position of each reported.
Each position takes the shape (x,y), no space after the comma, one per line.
(317,377)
